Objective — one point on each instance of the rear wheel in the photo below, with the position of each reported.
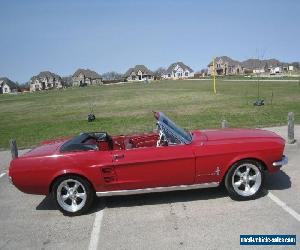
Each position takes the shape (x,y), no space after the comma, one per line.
(73,194)
(244,180)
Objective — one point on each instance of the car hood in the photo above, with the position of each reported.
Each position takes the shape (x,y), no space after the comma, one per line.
(231,134)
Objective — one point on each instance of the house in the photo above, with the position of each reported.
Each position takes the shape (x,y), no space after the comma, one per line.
(255,66)
(85,77)
(258,71)
(276,70)
(7,86)
(139,73)
(45,80)
(178,70)
(224,65)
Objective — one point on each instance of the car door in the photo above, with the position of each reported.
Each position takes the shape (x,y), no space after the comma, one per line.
(210,162)
(140,168)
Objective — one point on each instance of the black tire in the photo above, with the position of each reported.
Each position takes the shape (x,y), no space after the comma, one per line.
(255,180)
(83,195)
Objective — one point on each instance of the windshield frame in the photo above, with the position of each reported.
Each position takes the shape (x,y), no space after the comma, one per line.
(169,127)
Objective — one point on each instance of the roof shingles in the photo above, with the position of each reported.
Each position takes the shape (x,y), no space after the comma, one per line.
(10,83)
(45,74)
(87,73)
(138,68)
(181,64)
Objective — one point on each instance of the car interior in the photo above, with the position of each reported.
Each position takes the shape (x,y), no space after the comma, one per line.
(104,142)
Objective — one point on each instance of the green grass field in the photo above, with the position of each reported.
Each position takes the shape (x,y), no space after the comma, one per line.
(120,109)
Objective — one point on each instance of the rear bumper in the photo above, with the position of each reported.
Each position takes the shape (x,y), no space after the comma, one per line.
(282,162)
(10,180)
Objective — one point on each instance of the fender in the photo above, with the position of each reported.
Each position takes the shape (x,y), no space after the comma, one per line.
(63,172)
(250,155)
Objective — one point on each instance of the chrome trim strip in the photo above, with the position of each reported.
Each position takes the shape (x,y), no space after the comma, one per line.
(283,161)
(157,189)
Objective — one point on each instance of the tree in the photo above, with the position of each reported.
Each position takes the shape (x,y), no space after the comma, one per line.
(112,75)
(24,86)
(203,71)
(159,73)
(258,66)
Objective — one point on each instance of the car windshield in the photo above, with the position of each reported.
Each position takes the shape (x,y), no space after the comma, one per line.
(173,131)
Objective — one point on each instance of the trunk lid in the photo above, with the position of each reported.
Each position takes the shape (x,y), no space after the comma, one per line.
(44,149)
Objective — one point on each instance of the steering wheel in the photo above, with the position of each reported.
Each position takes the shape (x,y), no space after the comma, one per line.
(102,137)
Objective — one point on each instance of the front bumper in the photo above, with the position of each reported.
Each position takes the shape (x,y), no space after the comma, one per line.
(283,161)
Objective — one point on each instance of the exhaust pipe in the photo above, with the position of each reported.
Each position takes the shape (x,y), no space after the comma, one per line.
(13,148)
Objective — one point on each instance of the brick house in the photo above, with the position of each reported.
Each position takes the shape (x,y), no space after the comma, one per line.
(45,80)
(85,77)
(139,73)
(224,65)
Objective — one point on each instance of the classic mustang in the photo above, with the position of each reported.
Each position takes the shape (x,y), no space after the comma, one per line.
(93,164)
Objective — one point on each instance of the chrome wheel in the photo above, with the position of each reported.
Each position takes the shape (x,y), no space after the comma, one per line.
(246,179)
(71,195)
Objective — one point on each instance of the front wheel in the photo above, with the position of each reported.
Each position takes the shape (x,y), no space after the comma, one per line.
(73,194)
(244,180)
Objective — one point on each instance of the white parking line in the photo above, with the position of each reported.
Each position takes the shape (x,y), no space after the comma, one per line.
(1,175)
(284,206)
(95,235)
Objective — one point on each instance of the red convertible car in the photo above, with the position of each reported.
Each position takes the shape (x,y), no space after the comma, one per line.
(93,164)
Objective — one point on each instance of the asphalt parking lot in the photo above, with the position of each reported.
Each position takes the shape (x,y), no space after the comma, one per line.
(196,219)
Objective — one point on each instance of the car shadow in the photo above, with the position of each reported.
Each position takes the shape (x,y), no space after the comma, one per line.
(142,199)
(276,181)
(47,204)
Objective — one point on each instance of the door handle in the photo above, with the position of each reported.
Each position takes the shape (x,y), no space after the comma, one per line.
(116,157)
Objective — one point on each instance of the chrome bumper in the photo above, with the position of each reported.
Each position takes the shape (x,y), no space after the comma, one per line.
(283,161)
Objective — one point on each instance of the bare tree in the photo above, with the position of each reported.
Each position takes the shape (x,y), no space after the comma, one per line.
(112,75)
(259,67)
(159,73)
(203,71)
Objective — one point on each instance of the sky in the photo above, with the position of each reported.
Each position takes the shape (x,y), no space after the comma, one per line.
(64,35)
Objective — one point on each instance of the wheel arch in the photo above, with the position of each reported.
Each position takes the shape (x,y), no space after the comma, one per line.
(236,160)
(68,174)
